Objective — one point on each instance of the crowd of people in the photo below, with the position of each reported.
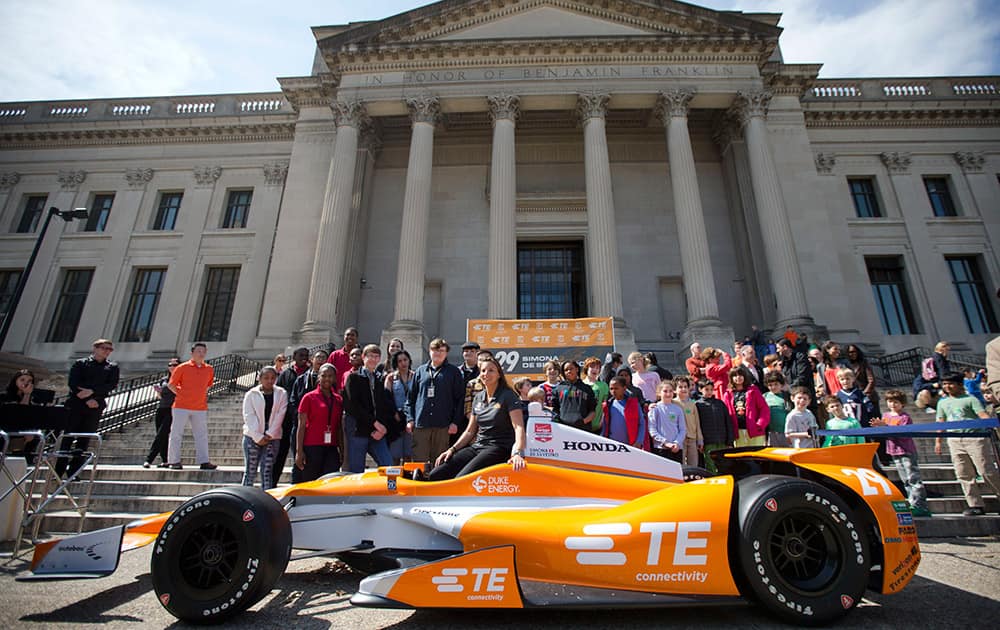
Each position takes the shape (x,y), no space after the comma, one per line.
(331,411)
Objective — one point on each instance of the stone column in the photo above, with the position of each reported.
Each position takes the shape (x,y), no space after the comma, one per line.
(703,323)
(331,242)
(503,207)
(408,318)
(779,244)
(602,242)
(8,179)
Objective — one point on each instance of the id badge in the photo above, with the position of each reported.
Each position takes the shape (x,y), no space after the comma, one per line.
(327,437)
(430,390)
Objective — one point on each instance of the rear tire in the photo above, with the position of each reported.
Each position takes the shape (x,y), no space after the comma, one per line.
(802,550)
(220,553)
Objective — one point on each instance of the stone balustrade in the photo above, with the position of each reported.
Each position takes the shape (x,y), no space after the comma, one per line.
(260,103)
(917,88)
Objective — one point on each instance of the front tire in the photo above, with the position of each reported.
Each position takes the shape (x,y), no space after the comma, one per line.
(802,550)
(220,553)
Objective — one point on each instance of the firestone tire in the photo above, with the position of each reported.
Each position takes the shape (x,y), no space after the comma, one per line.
(220,553)
(802,550)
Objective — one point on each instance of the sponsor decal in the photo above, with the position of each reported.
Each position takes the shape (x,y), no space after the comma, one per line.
(614,447)
(771,505)
(846,601)
(904,519)
(758,559)
(543,432)
(92,554)
(494,484)
(596,547)
(905,569)
(248,516)
(901,506)
(841,518)
(252,566)
(176,518)
(165,599)
(908,530)
(481,583)
(892,539)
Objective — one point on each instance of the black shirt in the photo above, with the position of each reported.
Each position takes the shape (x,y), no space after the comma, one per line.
(268,407)
(740,405)
(573,402)
(100,376)
(469,373)
(716,426)
(493,417)
(167,395)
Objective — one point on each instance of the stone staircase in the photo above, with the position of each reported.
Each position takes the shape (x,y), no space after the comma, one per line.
(124,491)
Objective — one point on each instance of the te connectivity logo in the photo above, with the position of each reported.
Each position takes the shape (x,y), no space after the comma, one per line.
(481,583)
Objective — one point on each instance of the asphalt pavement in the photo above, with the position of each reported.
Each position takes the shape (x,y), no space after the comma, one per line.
(957,585)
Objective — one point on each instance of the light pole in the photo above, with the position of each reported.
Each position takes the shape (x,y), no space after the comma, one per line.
(65,215)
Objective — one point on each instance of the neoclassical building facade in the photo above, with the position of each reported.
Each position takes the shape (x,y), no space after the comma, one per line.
(646,160)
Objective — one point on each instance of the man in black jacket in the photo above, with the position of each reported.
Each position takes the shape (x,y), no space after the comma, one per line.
(91,381)
(369,411)
(436,403)
(795,367)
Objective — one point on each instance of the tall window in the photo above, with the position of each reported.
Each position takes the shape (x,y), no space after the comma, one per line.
(166,210)
(217,303)
(142,303)
(888,281)
(972,294)
(865,200)
(69,305)
(34,206)
(940,196)
(100,210)
(8,284)
(550,281)
(237,209)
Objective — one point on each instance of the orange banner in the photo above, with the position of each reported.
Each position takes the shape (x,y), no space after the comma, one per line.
(523,346)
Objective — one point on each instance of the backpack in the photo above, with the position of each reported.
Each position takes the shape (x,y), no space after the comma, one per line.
(927,370)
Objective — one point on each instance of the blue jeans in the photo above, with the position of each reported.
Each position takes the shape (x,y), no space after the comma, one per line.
(358,447)
(259,457)
(401,449)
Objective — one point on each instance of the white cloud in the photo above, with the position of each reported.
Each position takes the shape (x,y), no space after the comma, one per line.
(64,49)
(888,38)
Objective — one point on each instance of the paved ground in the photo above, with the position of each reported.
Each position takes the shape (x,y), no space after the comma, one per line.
(958,585)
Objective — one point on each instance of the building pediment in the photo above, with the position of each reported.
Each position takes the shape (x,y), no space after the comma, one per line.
(462,24)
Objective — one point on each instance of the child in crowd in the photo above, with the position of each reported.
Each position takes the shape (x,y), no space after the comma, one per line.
(800,422)
(536,405)
(903,451)
(772,364)
(840,420)
(780,403)
(717,366)
(694,441)
(553,376)
(747,409)
(974,384)
(857,404)
(666,424)
(970,455)
(716,427)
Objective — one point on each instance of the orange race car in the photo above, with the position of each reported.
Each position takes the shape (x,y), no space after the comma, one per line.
(589,522)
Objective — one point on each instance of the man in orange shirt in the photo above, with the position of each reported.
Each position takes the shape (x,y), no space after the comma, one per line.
(190,382)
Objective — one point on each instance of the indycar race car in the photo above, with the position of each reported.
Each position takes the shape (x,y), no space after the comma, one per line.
(590,522)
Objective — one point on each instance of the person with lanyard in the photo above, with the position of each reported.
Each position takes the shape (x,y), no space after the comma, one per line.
(163,418)
(286,381)
(495,433)
(317,451)
(369,411)
(264,410)
(399,380)
(436,403)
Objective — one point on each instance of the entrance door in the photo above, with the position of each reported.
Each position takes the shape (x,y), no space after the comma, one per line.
(551,282)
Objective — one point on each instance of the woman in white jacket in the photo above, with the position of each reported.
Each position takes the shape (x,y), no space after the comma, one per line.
(264,409)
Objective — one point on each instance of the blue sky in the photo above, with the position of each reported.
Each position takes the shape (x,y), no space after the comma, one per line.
(66,49)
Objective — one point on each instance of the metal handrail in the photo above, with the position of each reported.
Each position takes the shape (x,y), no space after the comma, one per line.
(899,369)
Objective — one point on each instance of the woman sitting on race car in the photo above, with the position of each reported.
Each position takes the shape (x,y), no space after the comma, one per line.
(495,433)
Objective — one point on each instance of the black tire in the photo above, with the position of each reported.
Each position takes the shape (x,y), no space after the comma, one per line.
(694,473)
(220,553)
(802,550)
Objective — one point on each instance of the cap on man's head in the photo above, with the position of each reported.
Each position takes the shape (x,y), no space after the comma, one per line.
(953,377)
(470,345)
